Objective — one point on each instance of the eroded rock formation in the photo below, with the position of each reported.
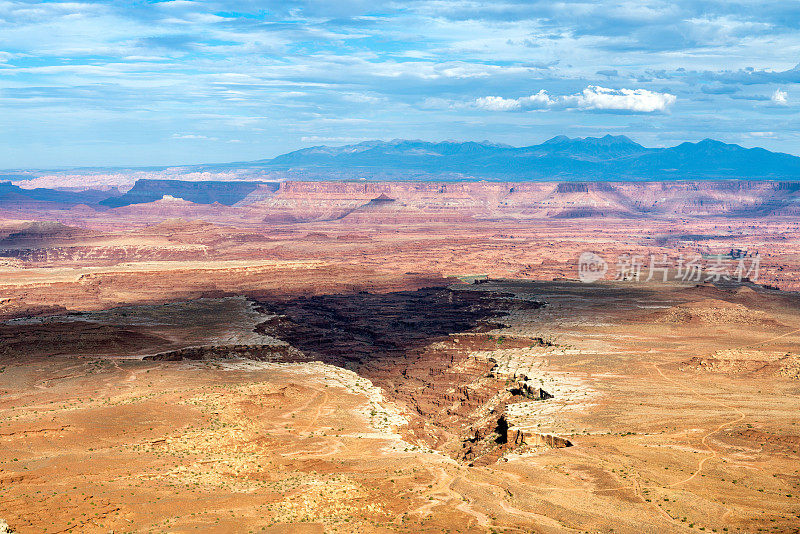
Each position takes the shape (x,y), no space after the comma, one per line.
(426,349)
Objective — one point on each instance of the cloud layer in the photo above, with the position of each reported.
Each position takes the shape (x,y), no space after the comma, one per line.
(185,81)
(592,98)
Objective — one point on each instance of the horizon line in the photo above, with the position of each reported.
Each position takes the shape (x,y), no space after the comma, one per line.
(156,166)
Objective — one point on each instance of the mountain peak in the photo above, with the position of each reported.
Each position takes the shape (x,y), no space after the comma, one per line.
(709,141)
(621,139)
(710,144)
(607,139)
(557,140)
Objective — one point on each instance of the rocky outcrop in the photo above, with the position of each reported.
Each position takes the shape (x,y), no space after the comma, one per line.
(391,201)
(42,233)
(547,440)
(13,308)
(106,254)
(489,441)
(712,311)
(74,337)
(216,352)
(427,350)
(14,196)
(205,192)
(526,388)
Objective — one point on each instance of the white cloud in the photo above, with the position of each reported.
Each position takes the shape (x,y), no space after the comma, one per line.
(592,98)
(637,100)
(779,97)
(498,103)
(223,67)
(193,136)
(539,100)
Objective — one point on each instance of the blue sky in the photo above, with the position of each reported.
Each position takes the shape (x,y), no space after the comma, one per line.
(138,83)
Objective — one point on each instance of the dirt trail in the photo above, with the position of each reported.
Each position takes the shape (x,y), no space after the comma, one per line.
(704,441)
(321,406)
(770,340)
(741,416)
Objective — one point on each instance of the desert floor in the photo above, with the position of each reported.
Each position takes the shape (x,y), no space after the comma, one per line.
(680,403)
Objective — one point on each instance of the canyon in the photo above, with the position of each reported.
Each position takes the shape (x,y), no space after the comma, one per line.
(401,357)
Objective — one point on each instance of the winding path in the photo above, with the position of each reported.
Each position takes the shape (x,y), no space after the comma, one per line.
(738,419)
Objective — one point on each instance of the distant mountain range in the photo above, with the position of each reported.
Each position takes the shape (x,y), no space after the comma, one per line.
(607,158)
(558,159)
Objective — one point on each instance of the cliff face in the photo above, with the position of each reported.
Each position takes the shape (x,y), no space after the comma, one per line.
(207,192)
(349,201)
(398,201)
(12,195)
(427,349)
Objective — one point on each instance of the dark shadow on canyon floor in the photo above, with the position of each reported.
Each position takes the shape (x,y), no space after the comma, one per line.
(417,345)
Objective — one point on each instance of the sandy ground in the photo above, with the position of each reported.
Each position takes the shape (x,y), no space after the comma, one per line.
(681,403)
(124,263)
(680,422)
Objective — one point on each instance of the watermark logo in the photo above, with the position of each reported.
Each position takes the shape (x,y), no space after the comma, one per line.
(736,266)
(591,267)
